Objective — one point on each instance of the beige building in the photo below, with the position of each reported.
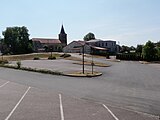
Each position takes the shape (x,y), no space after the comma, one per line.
(77,47)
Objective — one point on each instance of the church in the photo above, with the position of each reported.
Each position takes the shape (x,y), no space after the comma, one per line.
(50,44)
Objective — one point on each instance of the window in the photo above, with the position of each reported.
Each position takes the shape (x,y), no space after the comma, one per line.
(106,44)
(102,44)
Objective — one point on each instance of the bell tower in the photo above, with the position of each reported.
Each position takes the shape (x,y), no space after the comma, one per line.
(63,36)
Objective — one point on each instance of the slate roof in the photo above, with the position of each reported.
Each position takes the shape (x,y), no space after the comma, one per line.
(62,30)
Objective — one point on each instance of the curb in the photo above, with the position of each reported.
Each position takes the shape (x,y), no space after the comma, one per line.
(143,62)
(45,71)
(81,75)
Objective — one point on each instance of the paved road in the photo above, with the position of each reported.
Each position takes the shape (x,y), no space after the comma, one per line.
(21,102)
(131,84)
(128,85)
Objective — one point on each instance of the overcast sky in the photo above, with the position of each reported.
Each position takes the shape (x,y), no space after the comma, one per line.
(130,22)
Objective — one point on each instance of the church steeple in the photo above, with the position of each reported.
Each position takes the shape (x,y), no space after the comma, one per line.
(63,36)
(62,30)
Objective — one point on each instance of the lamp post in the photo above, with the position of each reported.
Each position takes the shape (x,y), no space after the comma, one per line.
(92,64)
(83,57)
(51,50)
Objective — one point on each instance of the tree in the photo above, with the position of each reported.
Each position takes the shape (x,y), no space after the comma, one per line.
(46,48)
(139,50)
(17,40)
(124,49)
(149,51)
(158,49)
(158,52)
(158,44)
(89,36)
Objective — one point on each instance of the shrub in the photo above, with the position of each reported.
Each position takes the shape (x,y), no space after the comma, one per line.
(36,58)
(51,58)
(18,64)
(128,56)
(149,51)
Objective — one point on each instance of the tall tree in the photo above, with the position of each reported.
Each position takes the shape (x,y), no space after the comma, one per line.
(89,36)
(124,49)
(158,49)
(139,50)
(17,40)
(149,51)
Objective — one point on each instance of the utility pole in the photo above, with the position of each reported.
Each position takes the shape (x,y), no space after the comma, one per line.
(92,64)
(83,57)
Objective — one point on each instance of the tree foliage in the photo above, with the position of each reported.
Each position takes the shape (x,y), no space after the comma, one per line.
(16,40)
(89,36)
(158,44)
(149,51)
(139,49)
(124,49)
(158,52)
(158,49)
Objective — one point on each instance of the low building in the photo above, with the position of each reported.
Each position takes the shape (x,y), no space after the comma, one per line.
(95,46)
(50,44)
(45,44)
(77,47)
(110,45)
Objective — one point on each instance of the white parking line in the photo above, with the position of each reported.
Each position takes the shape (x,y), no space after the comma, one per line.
(110,112)
(17,104)
(61,107)
(4,84)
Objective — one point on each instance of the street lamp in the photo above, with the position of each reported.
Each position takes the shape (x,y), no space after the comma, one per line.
(51,50)
(83,57)
(92,64)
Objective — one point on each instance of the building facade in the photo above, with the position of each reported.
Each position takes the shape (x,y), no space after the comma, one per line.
(110,45)
(77,47)
(97,46)
(50,44)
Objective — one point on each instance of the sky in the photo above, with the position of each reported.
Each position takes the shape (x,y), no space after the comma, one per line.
(129,22)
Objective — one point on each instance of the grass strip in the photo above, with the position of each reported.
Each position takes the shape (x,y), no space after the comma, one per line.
(33,69)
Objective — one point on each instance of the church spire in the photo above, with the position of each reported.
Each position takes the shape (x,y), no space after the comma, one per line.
(62,30)
(63,36)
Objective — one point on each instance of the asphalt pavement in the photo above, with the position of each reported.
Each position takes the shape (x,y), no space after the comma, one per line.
(21,102)
(125,87)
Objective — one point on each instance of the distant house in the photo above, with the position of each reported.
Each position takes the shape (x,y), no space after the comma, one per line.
(110,45)
(77,47)
(50,44)
(44,44)
(97,46)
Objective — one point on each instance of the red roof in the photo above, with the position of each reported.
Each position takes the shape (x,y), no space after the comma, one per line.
(46,40)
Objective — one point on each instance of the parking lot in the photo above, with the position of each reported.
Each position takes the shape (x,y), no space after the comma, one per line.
(19,102)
